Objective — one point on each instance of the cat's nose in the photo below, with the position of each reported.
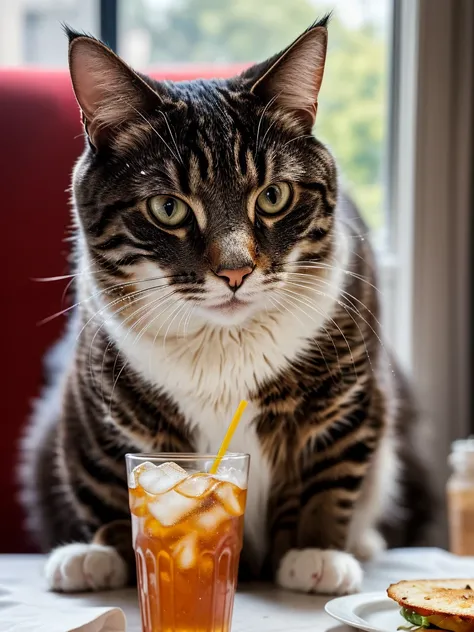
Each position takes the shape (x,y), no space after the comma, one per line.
(235,277)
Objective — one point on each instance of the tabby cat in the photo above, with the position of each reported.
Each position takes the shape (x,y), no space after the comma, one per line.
(216,260)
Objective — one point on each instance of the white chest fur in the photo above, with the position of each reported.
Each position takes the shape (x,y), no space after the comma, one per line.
(209,371)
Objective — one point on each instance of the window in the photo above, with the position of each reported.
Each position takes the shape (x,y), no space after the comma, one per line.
(31,33)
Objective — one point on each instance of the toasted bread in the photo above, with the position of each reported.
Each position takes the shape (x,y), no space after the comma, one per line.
(448,597)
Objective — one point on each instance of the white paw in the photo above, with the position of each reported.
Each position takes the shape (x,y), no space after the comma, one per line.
(368,545)
(320,571)
(80,567)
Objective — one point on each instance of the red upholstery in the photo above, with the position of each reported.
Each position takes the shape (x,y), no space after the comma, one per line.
(40,138)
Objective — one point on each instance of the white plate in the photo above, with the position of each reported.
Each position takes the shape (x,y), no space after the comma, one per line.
(373,612)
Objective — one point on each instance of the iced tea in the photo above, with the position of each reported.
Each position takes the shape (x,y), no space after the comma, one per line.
(187,533)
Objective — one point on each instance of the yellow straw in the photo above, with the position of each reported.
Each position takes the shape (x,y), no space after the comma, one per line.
(228,436)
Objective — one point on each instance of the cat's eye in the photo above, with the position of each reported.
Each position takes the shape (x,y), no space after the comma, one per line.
(169,211)
(275,198)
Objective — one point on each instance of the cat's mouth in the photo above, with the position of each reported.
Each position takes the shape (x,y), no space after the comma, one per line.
(231,305)
(229,311)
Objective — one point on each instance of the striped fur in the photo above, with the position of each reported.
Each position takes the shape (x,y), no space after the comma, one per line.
(154,360)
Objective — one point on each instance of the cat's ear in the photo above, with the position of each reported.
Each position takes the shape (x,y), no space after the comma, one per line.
(293,77)
(108,91)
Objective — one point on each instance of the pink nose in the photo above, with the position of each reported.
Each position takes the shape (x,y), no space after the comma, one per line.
(235,278)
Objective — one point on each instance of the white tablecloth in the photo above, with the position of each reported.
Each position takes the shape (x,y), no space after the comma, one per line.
(257,608)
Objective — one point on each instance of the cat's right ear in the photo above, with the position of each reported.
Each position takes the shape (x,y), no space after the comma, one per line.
(293,77)
(107,90)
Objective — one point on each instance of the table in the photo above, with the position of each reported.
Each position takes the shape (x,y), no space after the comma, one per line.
(258,608)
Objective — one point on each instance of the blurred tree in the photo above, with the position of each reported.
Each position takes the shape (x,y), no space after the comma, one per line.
(220,30)
(353,104)
(353,112)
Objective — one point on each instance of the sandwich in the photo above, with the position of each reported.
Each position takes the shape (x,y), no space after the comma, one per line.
(439,604)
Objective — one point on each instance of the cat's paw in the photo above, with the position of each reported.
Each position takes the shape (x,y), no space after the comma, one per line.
(320,571)
(81,567)
(368,545)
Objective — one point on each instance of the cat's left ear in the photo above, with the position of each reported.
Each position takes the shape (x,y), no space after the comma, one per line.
(108,91)
(293,77)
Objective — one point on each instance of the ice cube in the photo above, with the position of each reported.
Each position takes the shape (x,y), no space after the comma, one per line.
(138,505)
(196,485)
(135,473)
(228,495)
(158,480)
(232,475)
(171,507)
(211,519)
(152,527)
(185,551)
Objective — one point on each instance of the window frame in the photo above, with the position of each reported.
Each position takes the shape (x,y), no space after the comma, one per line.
(432,202)
(108,22)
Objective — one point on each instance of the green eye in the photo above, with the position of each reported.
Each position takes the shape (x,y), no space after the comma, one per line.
(275,198)
(168,210)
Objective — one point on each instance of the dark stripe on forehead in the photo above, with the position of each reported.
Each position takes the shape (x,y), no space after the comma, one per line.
(237,100)
(229,101)
(183,178)
(261,165)
(200,133)
(238,114)
(202,161)
(107,214)
(243,159)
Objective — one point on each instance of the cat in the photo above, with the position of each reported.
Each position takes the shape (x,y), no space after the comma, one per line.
(215,259)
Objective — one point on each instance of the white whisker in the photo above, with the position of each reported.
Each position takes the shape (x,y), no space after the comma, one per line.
(139,335)
(292,140)
(267,106)
(172,136)
(147,308)
(309,304)
(121,299)
(142,116)
(306,278)
(176,312)
(334,322)
(291,301)
(322,265)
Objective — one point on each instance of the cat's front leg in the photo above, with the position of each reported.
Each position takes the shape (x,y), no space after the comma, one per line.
(323,571)
(318,562)
(105,563)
